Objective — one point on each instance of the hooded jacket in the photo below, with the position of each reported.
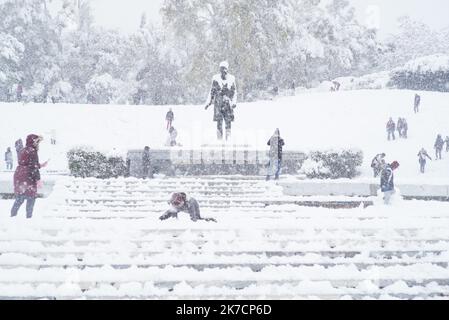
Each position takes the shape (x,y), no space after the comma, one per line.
(27,172)
(276,143)
(387,179)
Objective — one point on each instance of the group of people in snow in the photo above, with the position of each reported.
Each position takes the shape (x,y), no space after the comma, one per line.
(401,127)
(172,132)
(385,170)
(9,154)
(18,145)
(223,95)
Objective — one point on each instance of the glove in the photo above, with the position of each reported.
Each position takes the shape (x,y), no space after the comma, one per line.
(234,106)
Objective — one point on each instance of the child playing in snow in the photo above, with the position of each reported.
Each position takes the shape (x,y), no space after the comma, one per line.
(179,202)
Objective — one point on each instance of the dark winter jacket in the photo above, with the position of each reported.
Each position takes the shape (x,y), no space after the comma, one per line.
(19,145)
(146,158)
(423,155)
(223,95)
(190,206)
(404,125)
(400,125)
(8,155)
(27,172)
(170,116)
(276,143)
(387,179)
(377,161)
(439,143)
(391,126)
(417,100)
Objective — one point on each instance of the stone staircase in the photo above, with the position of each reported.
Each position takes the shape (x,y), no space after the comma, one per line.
(102,239)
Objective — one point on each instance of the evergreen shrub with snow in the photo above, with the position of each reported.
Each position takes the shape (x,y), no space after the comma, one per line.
(87,163)
(332,164)
(430,73)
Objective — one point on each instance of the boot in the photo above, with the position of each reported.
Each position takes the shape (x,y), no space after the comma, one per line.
(228,134)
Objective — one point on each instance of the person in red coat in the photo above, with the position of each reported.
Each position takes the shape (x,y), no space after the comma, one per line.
(27,176)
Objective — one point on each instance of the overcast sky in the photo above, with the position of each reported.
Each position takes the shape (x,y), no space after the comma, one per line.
(382,14)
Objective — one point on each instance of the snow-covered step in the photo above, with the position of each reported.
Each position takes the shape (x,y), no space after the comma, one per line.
(303,290)
(339,276)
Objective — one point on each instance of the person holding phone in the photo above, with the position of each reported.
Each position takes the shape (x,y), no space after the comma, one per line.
(27,177)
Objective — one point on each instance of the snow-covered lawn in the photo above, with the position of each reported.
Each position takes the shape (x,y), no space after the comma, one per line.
(102,238)
(308,121)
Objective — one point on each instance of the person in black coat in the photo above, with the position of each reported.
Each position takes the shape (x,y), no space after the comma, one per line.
(169,117)
(439,143)
(417,103)
(146,163)
(276,143)
(391,127)
(19,147)
(387,181)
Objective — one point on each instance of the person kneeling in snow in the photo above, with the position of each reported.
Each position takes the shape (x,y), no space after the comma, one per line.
(179,202)
(387,182)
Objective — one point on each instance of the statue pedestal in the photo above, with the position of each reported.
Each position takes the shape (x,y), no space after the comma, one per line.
(216,159)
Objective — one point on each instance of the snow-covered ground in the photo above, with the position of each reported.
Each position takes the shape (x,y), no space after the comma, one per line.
(308,121)
(102,238)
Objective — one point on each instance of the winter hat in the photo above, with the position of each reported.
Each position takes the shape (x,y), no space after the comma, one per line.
(394,165)
(178,199)
(33,139)
(224,64)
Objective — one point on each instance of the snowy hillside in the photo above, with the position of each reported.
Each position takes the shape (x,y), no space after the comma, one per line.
(308,121)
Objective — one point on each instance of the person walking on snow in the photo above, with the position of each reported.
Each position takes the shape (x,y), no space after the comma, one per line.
(439,143)
(404,128)
(19,92)
(169,118)
(423,155)
(417,103)
(179,202)
(399,127)
(146,163)
(378,163)
(391,127)
(276,143)
(27,178)
(447,143)
(223,95)
(19,147)
(172,135)
(387,181)
(8,159)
